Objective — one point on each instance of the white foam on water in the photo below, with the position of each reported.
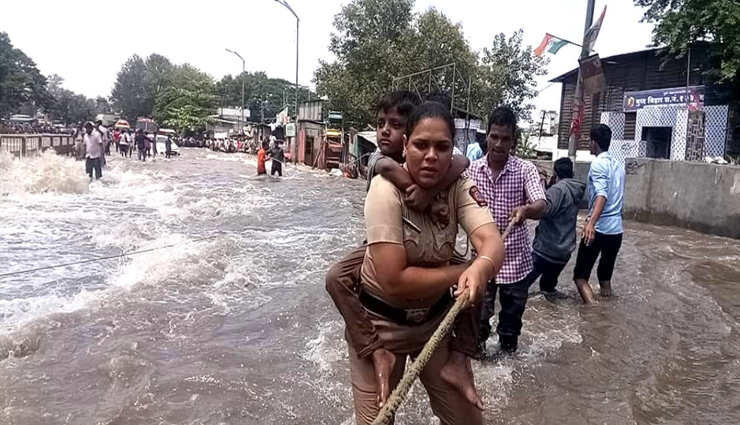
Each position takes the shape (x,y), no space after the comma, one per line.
(47,172)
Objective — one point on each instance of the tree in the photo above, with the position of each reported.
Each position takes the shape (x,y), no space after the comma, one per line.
(681,22)
(20,80)
(69,106)
(187,101)
(130,92)
(507,76)
(377,40)
(369,43)
(262,95)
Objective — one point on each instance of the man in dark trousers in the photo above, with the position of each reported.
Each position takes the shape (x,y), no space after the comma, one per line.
(278,158)
(555,236)
(141,143)
(602,233)
(511,187)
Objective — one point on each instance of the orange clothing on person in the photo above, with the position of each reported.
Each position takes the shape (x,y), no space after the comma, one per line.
(261,159)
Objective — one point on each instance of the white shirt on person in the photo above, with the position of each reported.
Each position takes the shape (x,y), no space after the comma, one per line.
(93,145)
(103,133)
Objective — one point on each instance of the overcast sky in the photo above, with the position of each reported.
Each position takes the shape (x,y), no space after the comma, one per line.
(59,34)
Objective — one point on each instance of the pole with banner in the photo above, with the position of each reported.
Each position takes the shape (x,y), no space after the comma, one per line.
(589,39)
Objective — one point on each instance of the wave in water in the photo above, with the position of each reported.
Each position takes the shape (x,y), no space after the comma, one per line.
(45,173)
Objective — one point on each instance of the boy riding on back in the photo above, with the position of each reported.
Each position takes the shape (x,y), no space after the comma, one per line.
(343,279)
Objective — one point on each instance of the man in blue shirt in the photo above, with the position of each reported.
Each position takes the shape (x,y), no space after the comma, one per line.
(602,233)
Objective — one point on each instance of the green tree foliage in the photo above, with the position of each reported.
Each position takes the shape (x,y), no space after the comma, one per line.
(681,22)
(187,101)
(68,106)
(20,80)
(130,93)
(262,95)
(377,40)
(507,76)
(369,44)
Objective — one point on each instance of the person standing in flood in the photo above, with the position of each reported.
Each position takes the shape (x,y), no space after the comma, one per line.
(555,236)
(124,142)
(602,233)
(277,155)
(407,277)
(141,145)
(261,159)
(79,142)
(511,187)
(168,147)
(94,152)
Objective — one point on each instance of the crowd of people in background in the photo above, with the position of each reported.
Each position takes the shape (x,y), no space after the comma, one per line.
(34,128)
(233,145)
(93,143)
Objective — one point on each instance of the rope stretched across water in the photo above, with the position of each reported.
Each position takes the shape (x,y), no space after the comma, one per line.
(409,377)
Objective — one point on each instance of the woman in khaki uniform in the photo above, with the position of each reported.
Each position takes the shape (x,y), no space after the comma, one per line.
(406,276)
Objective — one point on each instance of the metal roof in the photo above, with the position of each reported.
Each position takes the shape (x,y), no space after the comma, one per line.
(611,60)
(370,136)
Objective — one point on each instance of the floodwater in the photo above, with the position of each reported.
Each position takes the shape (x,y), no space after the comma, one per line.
(237,329)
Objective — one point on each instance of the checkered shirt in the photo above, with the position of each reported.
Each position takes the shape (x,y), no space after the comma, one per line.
(517,185)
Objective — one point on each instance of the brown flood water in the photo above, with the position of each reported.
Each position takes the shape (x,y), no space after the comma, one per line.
(238,329)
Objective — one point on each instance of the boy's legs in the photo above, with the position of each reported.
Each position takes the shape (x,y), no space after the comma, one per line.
(587,255)
(342,284)
(610,246)
(550,273)
(448,404)
(513,298)
(363,384)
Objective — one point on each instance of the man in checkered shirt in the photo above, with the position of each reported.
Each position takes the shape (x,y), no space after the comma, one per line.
(511,187)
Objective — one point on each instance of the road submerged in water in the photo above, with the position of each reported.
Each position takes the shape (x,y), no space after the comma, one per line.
(237,329)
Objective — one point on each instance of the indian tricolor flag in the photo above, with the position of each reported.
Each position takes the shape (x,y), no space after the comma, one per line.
(550,44)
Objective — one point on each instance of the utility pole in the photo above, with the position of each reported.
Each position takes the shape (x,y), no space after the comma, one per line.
(578,99)
(297,24)
(542,123)
(244,70)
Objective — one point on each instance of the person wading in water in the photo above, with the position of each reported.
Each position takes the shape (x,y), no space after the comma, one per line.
(261,159)
(406,276)
(555,236)
(511,186)
(342,280)
(602,233)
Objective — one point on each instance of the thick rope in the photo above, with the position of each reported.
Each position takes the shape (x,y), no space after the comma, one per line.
(409,377)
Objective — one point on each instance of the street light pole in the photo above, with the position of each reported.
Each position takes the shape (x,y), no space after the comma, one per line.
(244,70)
(297,24)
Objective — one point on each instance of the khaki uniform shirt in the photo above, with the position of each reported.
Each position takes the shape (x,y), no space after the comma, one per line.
(428,244)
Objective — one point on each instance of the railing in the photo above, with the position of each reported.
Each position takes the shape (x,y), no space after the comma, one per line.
(22,145)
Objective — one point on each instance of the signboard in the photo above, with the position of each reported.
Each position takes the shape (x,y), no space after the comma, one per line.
(692,96)
(592,74)
(290,130)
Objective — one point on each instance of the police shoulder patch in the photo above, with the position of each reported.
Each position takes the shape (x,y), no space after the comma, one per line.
(477,197)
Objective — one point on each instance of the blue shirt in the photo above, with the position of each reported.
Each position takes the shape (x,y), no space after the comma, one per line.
(606,178)
(474,152)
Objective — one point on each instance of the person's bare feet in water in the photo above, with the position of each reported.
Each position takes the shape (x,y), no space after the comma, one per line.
(584,288)
(606,288)
(384,361)
(458,373)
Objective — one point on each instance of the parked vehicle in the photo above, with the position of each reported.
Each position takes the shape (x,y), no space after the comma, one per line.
(162,147)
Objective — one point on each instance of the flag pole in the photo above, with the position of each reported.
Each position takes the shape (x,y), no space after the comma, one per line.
(578,100)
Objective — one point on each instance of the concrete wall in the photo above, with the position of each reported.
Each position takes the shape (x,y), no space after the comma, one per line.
(697,196)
